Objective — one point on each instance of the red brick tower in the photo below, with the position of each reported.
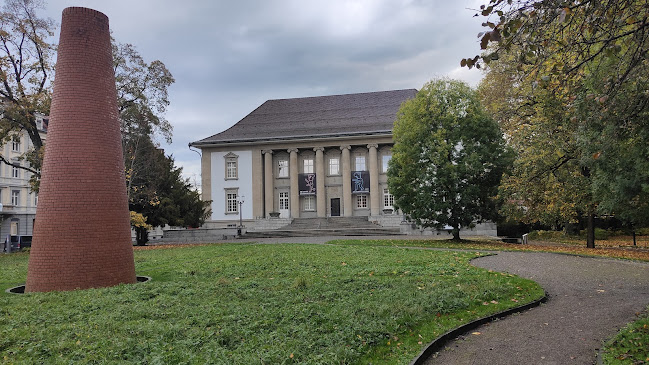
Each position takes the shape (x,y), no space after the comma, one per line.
(82,236)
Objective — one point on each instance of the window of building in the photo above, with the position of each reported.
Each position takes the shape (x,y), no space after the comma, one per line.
(282,166)
(388,199)
(35,199)
(15,172)
(231,201)
(308,166)
(385,160)
(231,166)
(360,163)
(334,166)
(361,201)
(15,146)
(309,203)
(15,197)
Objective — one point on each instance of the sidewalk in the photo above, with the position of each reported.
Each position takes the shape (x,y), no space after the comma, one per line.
(590,299)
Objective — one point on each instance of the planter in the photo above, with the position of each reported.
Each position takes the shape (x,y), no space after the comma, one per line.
(387,211)
(274,214)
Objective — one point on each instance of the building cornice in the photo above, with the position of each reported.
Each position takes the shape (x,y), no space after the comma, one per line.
(293,139)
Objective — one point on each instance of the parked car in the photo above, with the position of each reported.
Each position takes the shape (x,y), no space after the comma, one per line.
(17,243)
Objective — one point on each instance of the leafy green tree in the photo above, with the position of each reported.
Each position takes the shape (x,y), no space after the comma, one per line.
(160,193)
(590,57)
(550,181)
(448,158)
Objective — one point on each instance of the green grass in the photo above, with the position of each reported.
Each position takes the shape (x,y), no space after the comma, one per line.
(264,304)
(630,345)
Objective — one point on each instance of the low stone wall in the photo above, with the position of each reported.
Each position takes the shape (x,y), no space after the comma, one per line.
(269,224)
(388,220)
(482,229)
(199,234)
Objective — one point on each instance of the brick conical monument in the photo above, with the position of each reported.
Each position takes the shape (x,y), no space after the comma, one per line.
(82,235)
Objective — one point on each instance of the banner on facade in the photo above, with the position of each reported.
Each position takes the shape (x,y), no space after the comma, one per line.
(360,182)
(306,184)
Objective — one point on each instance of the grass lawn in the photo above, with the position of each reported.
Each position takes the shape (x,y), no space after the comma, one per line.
(630,345)
(478,243)
(264,304)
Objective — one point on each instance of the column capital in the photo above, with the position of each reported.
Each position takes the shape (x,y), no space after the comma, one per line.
(267,152)
(291,150)
(345,147)
(319,149)
(372,145)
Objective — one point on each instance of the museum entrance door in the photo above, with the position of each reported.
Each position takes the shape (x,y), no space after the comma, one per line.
(335,207)
(284,208)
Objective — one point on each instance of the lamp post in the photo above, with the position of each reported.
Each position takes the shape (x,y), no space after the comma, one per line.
(240,216)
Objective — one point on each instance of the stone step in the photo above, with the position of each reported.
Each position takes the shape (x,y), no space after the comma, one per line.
(325,232)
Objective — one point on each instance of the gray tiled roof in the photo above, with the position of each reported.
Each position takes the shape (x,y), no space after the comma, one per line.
(316,117)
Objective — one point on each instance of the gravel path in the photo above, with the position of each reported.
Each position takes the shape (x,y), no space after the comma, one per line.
(590,299)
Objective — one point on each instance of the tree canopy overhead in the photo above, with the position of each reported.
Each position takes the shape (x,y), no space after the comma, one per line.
(447,159)
(586,62)
(26,72)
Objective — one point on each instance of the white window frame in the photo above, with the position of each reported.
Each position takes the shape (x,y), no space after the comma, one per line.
(307,164)
(282,168)
(334,166)
(35,199)
(359,163)
(231,201)
(15,146)
(15,198)
(15,172)
(388,199)
(361,201)
(308,203)
(231,166)
(384,163)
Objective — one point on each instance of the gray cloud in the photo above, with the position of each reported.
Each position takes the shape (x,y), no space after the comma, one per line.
(228,57)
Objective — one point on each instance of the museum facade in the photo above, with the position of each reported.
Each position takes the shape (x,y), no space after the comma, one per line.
(303,158)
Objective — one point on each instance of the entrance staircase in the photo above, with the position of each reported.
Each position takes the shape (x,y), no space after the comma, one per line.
(332,226)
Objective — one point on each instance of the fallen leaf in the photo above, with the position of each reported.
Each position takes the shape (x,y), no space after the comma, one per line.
(476,333)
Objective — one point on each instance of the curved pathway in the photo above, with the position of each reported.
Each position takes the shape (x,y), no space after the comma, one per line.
(590,299)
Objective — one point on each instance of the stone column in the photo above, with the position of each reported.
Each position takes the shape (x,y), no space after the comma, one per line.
(82,236)
(347,180)
(321,192)
(375,194)
(294,169)
(268,182)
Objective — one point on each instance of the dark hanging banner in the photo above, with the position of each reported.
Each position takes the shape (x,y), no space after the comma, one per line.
(306,184)
(360,182)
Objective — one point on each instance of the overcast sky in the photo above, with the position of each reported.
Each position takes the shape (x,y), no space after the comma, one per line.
(229,56)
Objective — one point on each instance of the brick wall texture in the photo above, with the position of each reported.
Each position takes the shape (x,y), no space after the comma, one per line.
(82,233)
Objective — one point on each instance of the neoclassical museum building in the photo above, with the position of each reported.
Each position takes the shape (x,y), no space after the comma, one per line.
(307,157)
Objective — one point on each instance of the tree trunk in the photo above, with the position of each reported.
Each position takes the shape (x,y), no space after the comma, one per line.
(141,236)
(456,234)
(590,231)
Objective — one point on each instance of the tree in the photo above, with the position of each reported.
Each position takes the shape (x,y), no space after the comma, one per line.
(161,194)
(25,73)
(448,158)
(550,182)
(591,57)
